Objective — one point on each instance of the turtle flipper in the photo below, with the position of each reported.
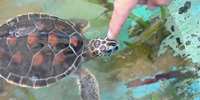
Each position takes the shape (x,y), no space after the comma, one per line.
(88,85)
(81,25)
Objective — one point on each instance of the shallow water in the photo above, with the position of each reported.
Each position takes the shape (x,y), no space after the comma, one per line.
(113,73)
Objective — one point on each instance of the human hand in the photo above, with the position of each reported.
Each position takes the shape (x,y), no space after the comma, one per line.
(122,9)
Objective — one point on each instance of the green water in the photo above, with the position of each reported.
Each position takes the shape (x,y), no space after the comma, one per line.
(113,72)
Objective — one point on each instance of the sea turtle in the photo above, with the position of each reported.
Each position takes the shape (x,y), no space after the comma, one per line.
(37,50)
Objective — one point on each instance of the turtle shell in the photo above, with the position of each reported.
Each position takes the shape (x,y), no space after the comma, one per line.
(37,50)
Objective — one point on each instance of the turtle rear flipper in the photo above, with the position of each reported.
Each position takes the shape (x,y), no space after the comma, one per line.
(88,85)
(81,25)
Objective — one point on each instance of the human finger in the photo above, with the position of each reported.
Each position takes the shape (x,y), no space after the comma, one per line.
(122,9)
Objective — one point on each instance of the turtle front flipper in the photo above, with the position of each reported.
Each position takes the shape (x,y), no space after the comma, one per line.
(88,85)
(81,25)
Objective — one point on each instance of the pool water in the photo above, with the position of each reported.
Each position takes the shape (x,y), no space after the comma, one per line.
(169,73)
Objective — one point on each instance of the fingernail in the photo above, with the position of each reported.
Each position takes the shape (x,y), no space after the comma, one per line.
(110,35)
(153,7)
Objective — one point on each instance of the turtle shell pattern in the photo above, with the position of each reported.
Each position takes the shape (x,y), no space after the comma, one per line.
(37,50)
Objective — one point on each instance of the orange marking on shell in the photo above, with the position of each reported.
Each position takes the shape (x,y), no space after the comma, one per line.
(52,16)
(49,84)
(37,86)
(1,54)
(48,53)
(10,19)
(42,13)
(23,84)
(17,58)
(37,59)
(22,27)
(5,31)
(59,58)
(41,26)
(32,39)
(74,41)
(11,81)
(53,39)
(31,13)
(19,15)
(60,27)
(12,40)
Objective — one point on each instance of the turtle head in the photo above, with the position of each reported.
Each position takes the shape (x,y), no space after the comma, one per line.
(102,46)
